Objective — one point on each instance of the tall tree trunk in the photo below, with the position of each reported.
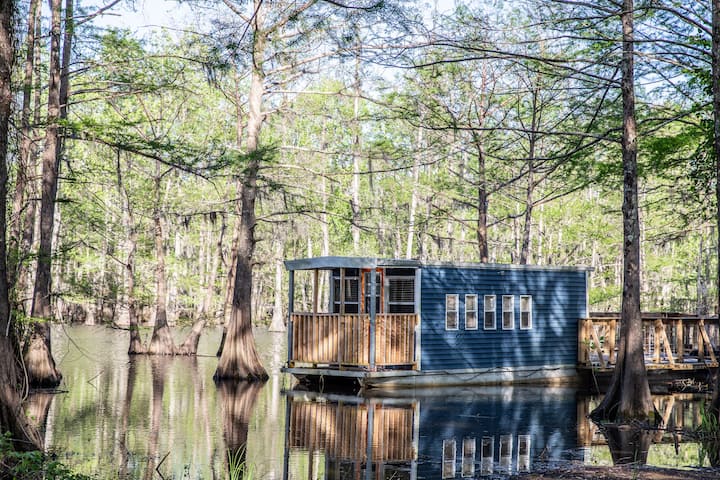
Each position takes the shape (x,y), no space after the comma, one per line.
(414,196)
(25,170)
(716,148)
(208,308)
(355,187)
(12,416)
(38,355)
(161,342)
(277,324)
(239,359)
(628,397)
(128,303)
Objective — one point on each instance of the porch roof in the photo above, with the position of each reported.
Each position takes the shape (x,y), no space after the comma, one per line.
(328,263)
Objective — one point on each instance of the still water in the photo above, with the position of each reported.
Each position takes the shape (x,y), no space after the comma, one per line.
(144,417)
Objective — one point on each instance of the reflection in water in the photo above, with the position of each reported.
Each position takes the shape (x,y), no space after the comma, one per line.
(237,400)
(467,433)
(37,407)
(122,418)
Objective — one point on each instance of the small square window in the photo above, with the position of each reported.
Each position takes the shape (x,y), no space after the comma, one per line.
(523,460)
(525,312)
(451,312)
(508,312)
(489,310)
(471,320)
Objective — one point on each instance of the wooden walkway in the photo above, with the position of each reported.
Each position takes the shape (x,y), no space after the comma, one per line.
(671,341)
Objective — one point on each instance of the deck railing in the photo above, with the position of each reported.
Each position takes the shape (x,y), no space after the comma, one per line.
(668,339)
(343,340)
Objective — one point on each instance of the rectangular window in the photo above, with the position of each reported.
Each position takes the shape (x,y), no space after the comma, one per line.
(346,292)
(525,312)
(506,448)
(471,322)
(451,312)
(401,294)
(448,459)
(489,319)
(523,453)
(468,457)
(508,312)
(486,455)
(378,291)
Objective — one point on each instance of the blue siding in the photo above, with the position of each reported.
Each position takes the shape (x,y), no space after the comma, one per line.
(548,417)
(558,301)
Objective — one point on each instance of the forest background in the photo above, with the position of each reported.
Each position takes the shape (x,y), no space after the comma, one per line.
(484,132)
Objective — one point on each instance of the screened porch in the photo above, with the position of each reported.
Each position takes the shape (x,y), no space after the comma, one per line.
(356,313)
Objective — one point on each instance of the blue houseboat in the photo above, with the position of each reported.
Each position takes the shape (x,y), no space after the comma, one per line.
(392,323)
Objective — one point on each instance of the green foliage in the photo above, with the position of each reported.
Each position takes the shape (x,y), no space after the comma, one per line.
(33,465)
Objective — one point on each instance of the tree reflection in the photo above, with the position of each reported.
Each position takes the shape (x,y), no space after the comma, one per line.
(628,444)
(158,367)
(37,407)
(237,400)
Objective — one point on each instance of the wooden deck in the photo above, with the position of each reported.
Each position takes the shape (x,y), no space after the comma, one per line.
(672,342)
(344,341)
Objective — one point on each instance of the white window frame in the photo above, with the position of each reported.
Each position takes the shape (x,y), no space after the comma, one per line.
(448,459)
(487,455)
(529,311)
(457,311)
(523,455)
(490,300)
(511,311)
(475,311)
(468,458)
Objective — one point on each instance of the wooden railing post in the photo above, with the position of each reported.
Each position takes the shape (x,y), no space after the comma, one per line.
(373,317)
(291,309)
(583,353)
(679,340)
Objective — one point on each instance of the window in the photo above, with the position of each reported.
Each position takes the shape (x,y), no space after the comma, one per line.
(525,312)
(486,455)
(506,447)
(523,453)
(489,319)
(468,457)
(508,312)
(346,291)
(448,459)
(451,312)
(401,294)
(471,321)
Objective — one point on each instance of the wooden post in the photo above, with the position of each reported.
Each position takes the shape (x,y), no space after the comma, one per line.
(342,291)
(583,355)
(679,340)
(598,347)
(611,341)
(373,318)
(706,339)
(291,309)
(316,273)
(658,341)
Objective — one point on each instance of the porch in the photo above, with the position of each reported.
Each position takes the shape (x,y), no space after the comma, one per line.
(362,315)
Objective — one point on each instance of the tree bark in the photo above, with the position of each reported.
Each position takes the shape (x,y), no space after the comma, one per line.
(237,401)
(715,403)
(12,417)
(38,356)
(628,398)
(239,359)
(161,342)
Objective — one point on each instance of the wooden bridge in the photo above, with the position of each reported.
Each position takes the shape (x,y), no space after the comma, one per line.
(671,341)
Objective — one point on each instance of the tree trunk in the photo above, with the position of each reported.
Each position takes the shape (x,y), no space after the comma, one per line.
(27,152)
(414,196)
(208,309)
(628,398)
(38,357)
(355,187)
(239,359)
(161,342)
(277,324)
(12,417)
(716,149)
(128,304)
(190,345)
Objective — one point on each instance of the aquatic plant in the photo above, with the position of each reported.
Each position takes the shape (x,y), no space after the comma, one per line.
(32,465)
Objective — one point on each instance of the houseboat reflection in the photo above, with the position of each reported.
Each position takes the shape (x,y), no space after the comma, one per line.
(449,433)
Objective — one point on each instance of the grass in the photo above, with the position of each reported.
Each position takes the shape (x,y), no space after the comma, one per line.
(32,465)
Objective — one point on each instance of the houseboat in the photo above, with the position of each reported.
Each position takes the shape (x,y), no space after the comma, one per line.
(395,323)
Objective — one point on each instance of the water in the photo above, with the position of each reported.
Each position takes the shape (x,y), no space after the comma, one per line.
(157,417)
